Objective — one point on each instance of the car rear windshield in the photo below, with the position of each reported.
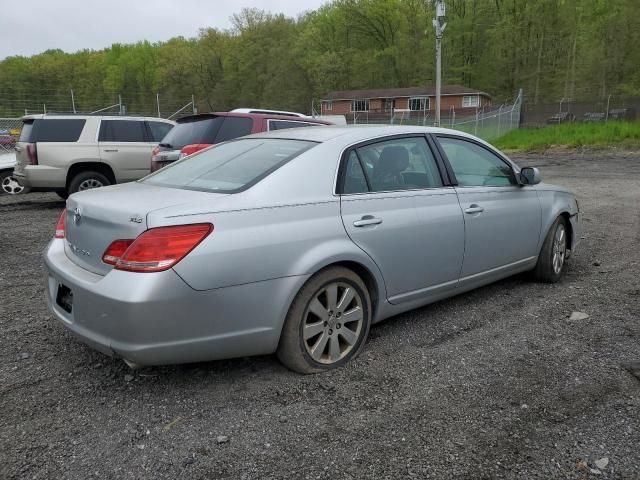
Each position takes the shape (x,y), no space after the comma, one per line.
(207,130)
(193,130)
(52,130)
(230,167)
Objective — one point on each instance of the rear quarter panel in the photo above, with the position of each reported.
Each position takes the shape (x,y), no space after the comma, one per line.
(261,244)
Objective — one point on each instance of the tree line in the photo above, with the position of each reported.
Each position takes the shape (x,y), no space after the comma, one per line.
(553,49)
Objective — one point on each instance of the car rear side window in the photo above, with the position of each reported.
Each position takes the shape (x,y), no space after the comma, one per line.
(52,130)
(230,167)
(159,130)
(122,131)
(282,124)
(234,127)
(25,133)
(354,178)
(404,163)
(193,130)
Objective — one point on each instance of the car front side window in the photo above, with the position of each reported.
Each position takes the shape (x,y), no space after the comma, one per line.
(474,165)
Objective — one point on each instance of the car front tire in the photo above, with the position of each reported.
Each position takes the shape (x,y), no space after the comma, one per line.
(9,185)
(328,322)
(553,255)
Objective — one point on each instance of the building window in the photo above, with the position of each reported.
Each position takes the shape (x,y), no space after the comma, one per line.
(469,101)
(360,105)
(327,105)
(419,103)
(389,104)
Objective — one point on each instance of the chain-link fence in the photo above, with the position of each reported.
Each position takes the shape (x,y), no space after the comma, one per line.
(565,110)
(487,122)
(9,133)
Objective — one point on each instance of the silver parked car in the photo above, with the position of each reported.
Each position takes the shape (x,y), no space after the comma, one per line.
(296,241)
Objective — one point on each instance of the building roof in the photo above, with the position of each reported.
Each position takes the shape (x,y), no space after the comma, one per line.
(429,91)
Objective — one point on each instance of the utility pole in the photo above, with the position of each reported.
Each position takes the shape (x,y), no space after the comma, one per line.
(439,25)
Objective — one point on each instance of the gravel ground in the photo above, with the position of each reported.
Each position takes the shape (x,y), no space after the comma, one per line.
(496,383)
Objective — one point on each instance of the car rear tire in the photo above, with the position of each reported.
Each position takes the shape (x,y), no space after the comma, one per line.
(327,323)
(9,185)
(86,181)
(553,255)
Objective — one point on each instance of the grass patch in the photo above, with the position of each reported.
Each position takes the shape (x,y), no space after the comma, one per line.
(623,134)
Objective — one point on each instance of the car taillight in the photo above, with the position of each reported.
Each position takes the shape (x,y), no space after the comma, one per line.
(157,165)
(159,249)
(60,225)
(114,251)
(193,148)
(32,154)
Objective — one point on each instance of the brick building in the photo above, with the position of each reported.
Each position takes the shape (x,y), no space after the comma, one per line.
(384,102)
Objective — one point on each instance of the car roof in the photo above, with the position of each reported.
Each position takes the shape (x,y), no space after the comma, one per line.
(267,111)
(69,116)
(350,134)
(274,116)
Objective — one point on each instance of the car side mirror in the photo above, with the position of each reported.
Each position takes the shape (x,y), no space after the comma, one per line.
(530,176)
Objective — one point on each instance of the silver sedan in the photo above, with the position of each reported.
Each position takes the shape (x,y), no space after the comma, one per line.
(297,241)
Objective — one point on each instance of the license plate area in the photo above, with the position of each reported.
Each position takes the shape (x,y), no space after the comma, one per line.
(64,298)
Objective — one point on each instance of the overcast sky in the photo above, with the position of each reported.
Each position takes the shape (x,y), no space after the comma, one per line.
(32,26)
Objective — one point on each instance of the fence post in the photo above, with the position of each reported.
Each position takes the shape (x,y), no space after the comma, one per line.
(499,120)
(73,102)
(476,126)
(158,103)
(193,104)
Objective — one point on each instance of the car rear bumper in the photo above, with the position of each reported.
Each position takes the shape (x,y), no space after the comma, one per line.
(41,176)
(157,319)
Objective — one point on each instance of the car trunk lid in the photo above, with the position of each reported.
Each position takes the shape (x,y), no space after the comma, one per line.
(95,218)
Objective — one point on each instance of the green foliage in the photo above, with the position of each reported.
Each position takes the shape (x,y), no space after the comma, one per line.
(598,134)
(553,49)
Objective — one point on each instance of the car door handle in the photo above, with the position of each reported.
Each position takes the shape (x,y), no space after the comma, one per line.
(473,208)
(110,149)
(367,220)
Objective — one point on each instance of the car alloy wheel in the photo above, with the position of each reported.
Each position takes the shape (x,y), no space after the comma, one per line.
(559,249)
(10,186)
(90,183)
(328,322)
(332,322)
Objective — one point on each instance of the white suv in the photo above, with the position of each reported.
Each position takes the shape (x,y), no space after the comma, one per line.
(68,153)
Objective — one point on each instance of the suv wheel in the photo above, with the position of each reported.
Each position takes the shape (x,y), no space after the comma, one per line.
(9,184)
(86,181)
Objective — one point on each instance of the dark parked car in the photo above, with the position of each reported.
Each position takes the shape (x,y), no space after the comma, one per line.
(7,141)
(196,132)
(561,117)
(595,117)
(628,114)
